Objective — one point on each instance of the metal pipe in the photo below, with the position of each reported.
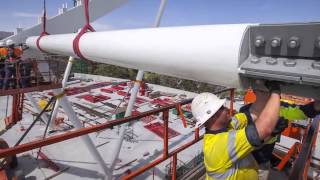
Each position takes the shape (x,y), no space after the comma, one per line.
(208,53)
(231,101)
(165,134)
(174,167)
(37,108)
(134,93)
(160,160)
(64,84)
(86,139)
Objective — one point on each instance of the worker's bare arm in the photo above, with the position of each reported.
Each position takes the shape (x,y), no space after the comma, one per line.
(268,117)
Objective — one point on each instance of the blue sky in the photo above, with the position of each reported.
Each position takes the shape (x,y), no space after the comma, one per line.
(141,13)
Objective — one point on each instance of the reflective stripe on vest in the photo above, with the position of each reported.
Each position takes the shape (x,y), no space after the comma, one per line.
(242,163)
(235,122)
(231,146)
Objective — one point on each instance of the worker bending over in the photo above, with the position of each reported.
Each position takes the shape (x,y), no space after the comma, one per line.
(228,141)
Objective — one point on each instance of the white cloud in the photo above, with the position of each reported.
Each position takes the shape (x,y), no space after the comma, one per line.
(25,15)
(101,26)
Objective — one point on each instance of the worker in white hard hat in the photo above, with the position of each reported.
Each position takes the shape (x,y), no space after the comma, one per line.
(229,141)
(11,64)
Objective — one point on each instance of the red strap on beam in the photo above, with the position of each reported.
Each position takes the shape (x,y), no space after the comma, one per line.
(44,26)
(87,27)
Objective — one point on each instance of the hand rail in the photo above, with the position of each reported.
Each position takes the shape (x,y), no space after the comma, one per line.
(301,165)
(80,132)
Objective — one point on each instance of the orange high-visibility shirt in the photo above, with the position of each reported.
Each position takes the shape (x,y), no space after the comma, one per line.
(3,52)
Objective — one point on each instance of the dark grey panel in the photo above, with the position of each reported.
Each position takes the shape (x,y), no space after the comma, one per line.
(305,42)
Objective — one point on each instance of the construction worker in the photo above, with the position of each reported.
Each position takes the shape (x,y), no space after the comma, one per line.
(13,57)
(288,112)
(3,56)
(229,141)
(25,73)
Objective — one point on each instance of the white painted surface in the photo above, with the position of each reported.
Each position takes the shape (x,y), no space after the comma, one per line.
(207,53)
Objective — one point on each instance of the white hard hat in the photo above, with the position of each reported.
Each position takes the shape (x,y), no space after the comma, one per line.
(204,106)
(2,44)
(9,42)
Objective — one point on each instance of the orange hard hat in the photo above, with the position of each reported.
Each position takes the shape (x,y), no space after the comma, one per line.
(249,97)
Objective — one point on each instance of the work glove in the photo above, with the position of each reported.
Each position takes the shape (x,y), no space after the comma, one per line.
(273,86)
(280,126)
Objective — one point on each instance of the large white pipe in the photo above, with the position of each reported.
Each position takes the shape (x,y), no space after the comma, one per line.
(208,53)
(67,107)
(64,84)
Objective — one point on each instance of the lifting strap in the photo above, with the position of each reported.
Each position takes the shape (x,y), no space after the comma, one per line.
(87,27)
(44,26)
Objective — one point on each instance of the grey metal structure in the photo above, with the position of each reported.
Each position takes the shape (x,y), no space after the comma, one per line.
(286,52)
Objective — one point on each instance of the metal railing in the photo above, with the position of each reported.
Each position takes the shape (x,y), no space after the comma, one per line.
(302,163)
(21,76)
(95,128)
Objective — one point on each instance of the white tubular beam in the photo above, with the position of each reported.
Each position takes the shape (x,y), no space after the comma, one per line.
(64,84)
(208,53)
(37,108)
(67,107)
(134,93)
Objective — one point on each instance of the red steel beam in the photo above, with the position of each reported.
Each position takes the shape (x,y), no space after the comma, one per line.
(196,134)
(231,101)
(160,160)
(174,167)
(165,133)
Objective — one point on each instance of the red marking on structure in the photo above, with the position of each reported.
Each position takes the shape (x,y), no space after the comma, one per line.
(48,161)
(148,119)
(160,102)
(123,84)
(117,87)
(107,90)
(122,93)
(158,129)
(93,98)
(78,90)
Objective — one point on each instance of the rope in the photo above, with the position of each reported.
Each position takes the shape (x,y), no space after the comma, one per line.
(44,27)
(34,122)
(87,27)
(180,112)
(47,127)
